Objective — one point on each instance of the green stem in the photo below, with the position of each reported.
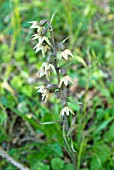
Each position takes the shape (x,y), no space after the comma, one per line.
(65,120)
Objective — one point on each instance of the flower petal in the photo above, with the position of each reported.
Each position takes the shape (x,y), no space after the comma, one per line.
(61,81)
(34,24)
(47,75)
(67,111)
(35,36)
(31,22)
(43,51)
(39,30)
(47,67)
(62,112)
(68,52)
(65,81)
(53,68)
(71,111)
(38,47)
(46,39)
(41,72)
(70,79)
(64,55)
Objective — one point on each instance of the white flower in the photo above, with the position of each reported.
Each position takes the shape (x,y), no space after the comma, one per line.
(44,92)
(44,38)
(45,70)
(36,25)
(35,36)
(41,39)
(46,95)
(66,110)
(42,47)
(41,89)
(65,80)
(43,44)
(65,54)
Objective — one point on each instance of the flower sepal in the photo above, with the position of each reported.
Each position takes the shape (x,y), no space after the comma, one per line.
(44,92)
(66,110)
(66,79)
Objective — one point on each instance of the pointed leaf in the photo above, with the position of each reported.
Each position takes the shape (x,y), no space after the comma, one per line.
(73,101)
(51,122)
(67,64)
(81,60)
(52,17)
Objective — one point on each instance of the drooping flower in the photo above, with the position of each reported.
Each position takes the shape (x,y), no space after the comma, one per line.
(45,69)
(46,95)
(65,54)
(66,110)
(44,38)
(36,25)
(66,79)
(43,47)
(44,92)
(41,39)
(35,36)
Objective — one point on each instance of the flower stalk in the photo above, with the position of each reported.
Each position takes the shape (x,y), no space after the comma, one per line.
(48,46)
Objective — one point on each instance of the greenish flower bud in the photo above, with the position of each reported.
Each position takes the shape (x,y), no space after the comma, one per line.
(60,46)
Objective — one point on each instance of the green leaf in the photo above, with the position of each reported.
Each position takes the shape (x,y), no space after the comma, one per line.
(67,64)
(57,164)
(3,117)
(3,135)
(69,166)
(51,122)
(53,16)
(39,166)
(50,149)
(81,60)
(96,163)
(73,61)
(69,99)
(101,155)
(109,135)
(103,125)
(24,117)
(65,40)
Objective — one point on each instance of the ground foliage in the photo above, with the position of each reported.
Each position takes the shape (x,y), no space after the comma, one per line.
(39,146)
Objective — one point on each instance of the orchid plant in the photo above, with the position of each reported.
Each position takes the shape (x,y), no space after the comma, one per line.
(50,50)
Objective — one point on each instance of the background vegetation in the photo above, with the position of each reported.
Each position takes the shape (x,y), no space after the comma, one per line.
(90,26)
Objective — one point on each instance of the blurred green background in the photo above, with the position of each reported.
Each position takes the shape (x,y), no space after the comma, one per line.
(90,25)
